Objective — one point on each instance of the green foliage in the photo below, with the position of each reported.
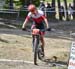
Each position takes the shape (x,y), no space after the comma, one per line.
(20,3)
(6,6)
(23,14)
(36,2)
(48,0)
(6,1)
(17,3)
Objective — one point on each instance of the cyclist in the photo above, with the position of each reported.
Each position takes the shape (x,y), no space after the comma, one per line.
(38,17)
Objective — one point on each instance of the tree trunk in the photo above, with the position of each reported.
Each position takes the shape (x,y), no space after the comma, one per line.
(66,9)
(11,4)
(53,9)
(59,10)
(74,9)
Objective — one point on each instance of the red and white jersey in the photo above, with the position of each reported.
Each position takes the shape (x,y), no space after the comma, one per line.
(38,18)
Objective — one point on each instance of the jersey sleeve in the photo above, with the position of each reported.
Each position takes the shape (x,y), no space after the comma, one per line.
(28,16)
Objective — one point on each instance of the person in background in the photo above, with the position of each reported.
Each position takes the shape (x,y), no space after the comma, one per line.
(62,12)
(48,9)
(70,11)
(42,6)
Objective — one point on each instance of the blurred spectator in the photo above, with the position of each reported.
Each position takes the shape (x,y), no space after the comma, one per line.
(62,12)
(48,5)
(11,4)
(42,6)
(70,11)
(48,9)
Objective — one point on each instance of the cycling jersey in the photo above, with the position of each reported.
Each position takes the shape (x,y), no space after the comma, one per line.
(37,18)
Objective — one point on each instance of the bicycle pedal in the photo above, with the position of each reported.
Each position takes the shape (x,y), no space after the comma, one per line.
(43,59)
(42,56)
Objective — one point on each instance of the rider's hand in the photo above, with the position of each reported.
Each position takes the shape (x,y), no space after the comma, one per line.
(24,29)
(48,29)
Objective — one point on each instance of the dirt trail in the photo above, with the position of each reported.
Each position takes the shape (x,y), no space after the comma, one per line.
(15,44)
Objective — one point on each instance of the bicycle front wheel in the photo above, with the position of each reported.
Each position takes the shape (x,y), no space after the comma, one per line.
(35,49)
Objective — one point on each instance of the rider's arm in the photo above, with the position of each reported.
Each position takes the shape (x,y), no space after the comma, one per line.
(46,21)
(26,20)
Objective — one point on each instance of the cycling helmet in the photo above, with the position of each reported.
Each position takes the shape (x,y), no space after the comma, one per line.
(31,7)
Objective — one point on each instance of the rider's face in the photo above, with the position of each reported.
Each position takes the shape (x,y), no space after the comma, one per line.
(34,12)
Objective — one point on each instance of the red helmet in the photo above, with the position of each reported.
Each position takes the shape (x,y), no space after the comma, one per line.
(31,7)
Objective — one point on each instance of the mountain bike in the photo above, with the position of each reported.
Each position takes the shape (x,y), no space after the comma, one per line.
(37,48)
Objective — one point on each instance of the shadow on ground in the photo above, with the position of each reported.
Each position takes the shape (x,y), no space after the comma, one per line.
(55,62)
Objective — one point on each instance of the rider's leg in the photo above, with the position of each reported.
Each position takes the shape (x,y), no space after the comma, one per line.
(32,43)
(32,27)
(42,43)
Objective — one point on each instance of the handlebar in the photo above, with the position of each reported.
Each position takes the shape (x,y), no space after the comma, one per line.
(48,29)
(24,29)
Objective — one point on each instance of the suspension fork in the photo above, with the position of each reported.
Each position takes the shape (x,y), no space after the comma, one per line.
(35,37)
